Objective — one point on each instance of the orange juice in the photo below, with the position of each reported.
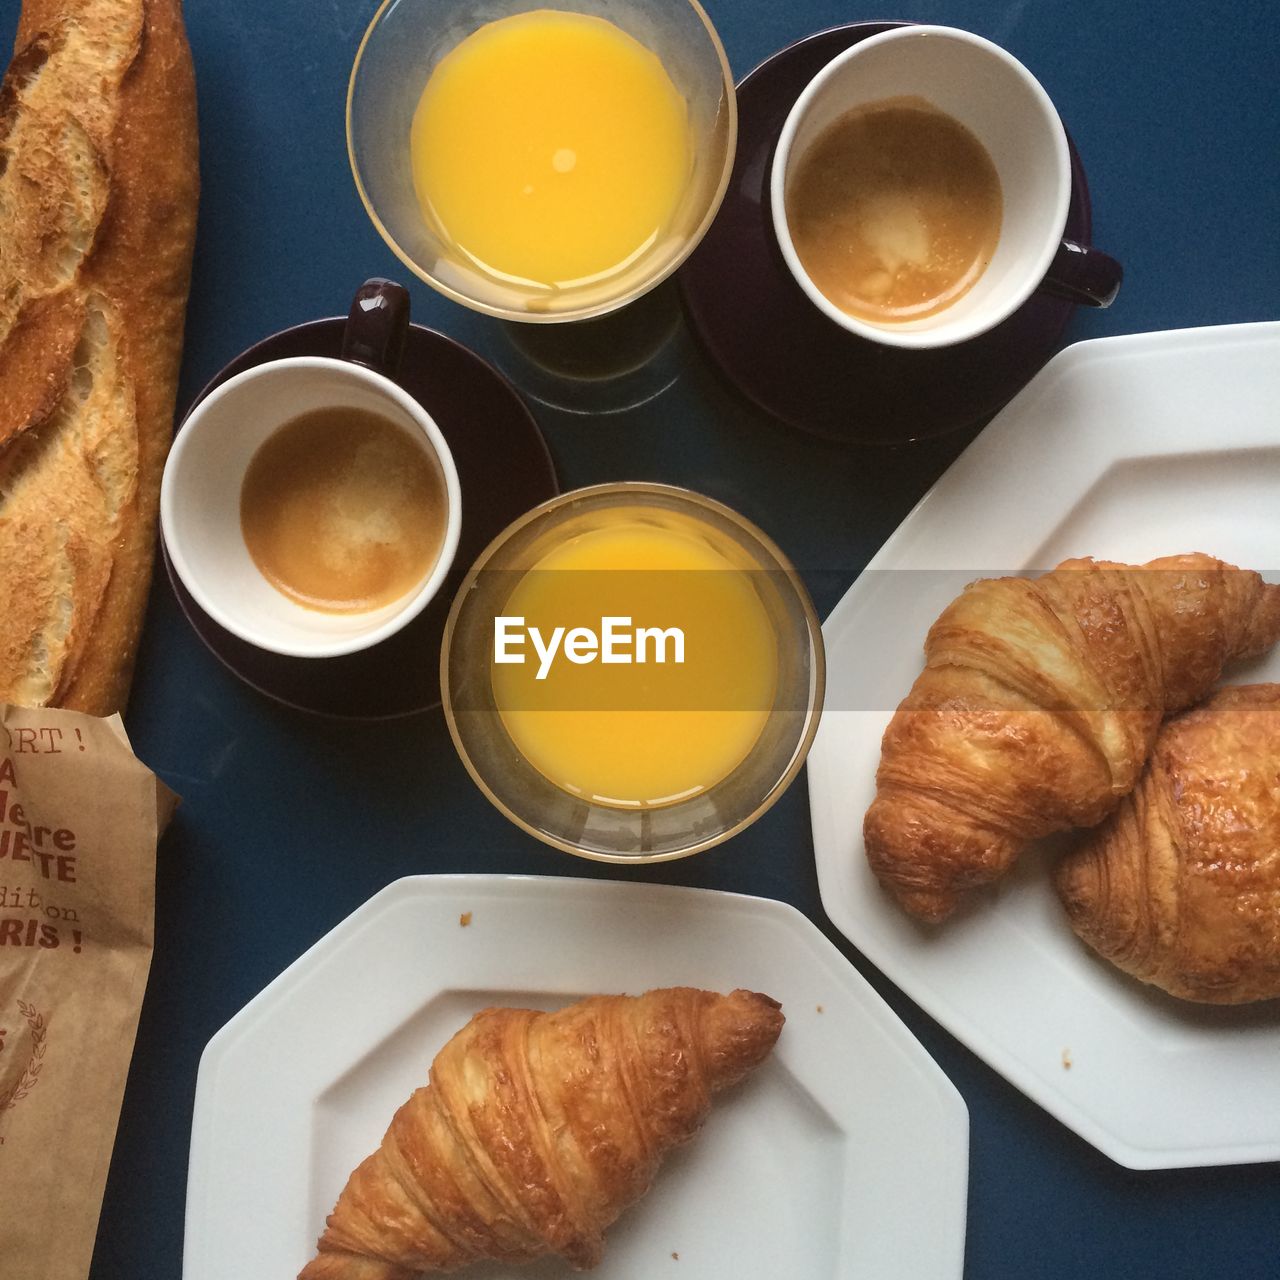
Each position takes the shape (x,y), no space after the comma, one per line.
(550,149)
(647,730)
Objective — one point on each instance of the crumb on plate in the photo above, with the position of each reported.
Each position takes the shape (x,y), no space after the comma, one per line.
(1066,1059)
(464,919)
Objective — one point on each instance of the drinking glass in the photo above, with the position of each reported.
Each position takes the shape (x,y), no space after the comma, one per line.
(579,824)
(404,42)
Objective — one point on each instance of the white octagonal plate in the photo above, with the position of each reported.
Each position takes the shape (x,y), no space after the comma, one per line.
(844,1155)
(1121,448)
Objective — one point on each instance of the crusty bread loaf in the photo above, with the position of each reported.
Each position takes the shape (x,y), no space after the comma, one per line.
(98,192)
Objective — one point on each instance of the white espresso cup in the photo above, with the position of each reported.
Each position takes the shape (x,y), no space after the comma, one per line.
(203,478)
(989,92)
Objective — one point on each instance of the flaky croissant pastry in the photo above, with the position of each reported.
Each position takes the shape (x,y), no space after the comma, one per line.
(1038,706)
(1181,885)
(536,1131)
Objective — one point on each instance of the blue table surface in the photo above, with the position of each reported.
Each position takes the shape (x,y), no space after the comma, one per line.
(289,822)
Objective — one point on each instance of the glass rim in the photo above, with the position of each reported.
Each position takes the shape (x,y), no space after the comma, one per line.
(817,676)
(729,90)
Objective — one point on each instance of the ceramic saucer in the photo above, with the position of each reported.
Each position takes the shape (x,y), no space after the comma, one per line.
(504,468)
(769,340)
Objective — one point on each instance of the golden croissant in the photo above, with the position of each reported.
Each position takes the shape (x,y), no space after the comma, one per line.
(1181,885)
(537,1129)
(1038,706)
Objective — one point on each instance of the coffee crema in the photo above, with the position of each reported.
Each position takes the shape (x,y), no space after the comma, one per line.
(342,510)
(895,210)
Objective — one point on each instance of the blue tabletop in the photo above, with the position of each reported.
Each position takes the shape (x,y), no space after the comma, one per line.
(290,822)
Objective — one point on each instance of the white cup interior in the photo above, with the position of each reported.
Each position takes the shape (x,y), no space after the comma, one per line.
(200,503)
(989,92)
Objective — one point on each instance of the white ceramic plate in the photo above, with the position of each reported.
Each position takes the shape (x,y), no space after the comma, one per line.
(844,1155)
(1124,448)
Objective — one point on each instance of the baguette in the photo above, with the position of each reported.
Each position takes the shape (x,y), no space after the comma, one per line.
(98,194)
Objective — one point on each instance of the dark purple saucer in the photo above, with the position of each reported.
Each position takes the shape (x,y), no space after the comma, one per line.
(504,469)
(771,342)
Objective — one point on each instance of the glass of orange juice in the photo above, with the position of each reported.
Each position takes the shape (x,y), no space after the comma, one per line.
(541,163)
(632,672)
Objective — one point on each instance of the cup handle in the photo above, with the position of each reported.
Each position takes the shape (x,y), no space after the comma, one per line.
(376,326)
(1083,274)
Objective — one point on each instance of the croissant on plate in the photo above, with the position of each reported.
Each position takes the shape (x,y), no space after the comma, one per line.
(1181,885)
(1038,706)
(537,1129)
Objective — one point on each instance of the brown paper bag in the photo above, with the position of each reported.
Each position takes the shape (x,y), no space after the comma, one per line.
(79,821)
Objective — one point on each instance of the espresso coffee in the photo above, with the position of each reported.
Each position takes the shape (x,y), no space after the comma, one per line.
(894,210)
(343,510)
